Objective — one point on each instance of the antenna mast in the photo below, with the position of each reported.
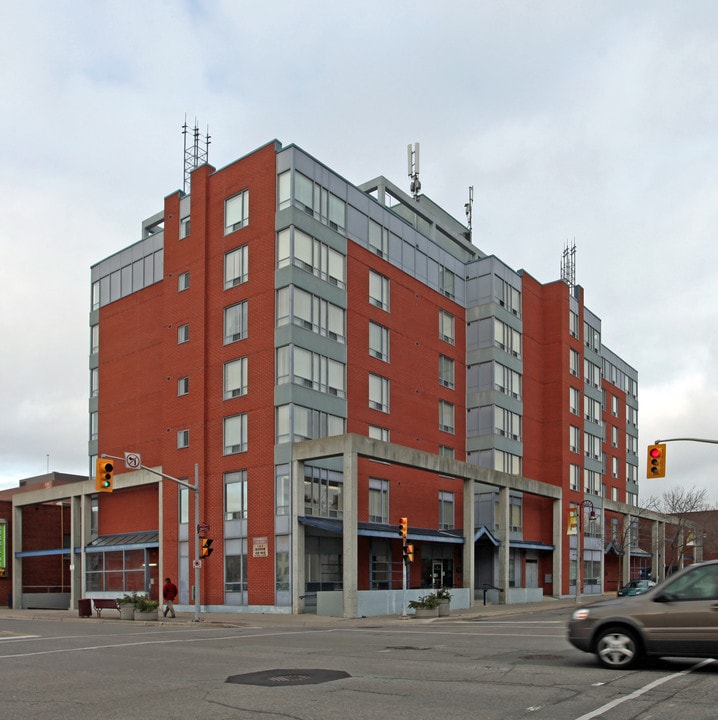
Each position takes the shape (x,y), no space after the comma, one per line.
(468,208)
(413,167)
(196,152)
(568,265)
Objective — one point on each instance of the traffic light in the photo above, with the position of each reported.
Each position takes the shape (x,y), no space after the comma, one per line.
(206,550)
(656,461)
(104,468)
(404,527)
(409,554)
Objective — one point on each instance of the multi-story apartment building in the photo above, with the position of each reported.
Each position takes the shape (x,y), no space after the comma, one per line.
(276,303)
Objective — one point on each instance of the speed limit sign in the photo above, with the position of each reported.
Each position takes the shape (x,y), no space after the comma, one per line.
(133,460)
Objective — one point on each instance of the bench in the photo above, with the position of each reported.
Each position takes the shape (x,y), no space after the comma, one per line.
(104,604)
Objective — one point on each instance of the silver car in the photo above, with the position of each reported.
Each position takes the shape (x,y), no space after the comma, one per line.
(678,618)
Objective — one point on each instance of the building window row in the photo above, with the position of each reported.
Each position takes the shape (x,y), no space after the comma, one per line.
(313,199)
(309,369)
(296,422)
(310,312)
(295,247)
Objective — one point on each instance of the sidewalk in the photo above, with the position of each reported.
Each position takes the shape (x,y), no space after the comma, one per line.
(249,619)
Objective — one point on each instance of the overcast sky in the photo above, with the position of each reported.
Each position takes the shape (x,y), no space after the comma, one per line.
(594,122)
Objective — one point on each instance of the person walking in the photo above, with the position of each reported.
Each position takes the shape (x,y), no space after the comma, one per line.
(169,593)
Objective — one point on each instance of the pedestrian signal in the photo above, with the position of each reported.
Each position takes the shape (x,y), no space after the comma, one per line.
(206,550)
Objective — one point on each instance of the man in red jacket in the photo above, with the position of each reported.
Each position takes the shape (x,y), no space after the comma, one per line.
(169,593)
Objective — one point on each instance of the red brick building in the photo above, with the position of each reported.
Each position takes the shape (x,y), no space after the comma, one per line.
(277,303)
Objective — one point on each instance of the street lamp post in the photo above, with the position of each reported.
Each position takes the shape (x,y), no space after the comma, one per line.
(579,558)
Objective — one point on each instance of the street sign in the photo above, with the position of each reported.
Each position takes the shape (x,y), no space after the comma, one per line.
(202,528)
(196,564)
(133,461)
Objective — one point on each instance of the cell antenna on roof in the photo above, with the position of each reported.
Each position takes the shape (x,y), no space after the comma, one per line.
(468,208)
(196,153)
(413,166)
(568,264)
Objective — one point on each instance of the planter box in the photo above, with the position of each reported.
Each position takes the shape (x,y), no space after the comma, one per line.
(426,612)
(147,615)
(444,608)
(127,612)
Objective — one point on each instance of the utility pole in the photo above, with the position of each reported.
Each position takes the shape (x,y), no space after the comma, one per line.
(133,461)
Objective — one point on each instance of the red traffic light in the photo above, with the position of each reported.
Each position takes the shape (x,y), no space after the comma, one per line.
(656,461)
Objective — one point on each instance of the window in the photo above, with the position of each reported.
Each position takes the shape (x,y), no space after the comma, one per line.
(184,227)
(284,190)
(379,433)
(235,378)
(574,439)
(235,495)
(378,393)
(573,324)
(592,373)
(447,282)
(446,510)
(235,567)
(446,327)
(574,400)
(614,467)
(318,202)
(183,334)
(94,382)
(182,386)
(446,451)
(308,369)
(574,360)
(507,338)
(236,212)
(592,445)
(235,322)
(592,409)
(295,423)
(378,341)
(282,490)
(183,439)
(378,239)
(183,502)
(515,515)
(183,281)
(94,425)
(378,500)
(591,482)
(507,381)
(307,253)
(507,423)
(236,267)
(507,462)
(94,339)
(446,416)
(309,312)
(507,296)
(446,371)
(323,492)
(379,290)
(235,434)
(574,473)
(614,406)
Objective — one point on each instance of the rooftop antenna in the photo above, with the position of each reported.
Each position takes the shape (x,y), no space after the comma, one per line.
(413,166)
(468,208)
(196,151)
(568,264)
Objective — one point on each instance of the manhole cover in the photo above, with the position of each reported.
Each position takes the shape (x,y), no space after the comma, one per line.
(284,678)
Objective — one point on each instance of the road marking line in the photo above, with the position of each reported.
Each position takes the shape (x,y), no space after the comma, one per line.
(637,693)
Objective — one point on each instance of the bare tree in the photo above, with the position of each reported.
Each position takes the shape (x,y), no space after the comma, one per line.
(680,502)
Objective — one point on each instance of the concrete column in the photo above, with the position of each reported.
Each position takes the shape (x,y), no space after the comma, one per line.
(557,568)
(350,529)
(627,534)
(469,578)
(503,523)
(296,542)
(76,540)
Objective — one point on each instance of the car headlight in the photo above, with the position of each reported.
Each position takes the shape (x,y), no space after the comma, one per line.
(580,614)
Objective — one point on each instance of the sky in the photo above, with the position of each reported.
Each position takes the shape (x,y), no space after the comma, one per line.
(586,122)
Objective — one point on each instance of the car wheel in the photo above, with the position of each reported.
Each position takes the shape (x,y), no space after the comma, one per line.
(617,648)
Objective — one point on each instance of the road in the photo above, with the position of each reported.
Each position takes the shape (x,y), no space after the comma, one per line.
(491,668)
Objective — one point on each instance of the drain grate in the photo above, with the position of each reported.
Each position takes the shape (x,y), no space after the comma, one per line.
(285,678)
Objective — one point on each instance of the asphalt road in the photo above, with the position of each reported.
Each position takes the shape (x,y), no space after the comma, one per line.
(490,668)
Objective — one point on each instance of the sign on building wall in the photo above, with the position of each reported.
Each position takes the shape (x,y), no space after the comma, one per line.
(260,547)
(3,548)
